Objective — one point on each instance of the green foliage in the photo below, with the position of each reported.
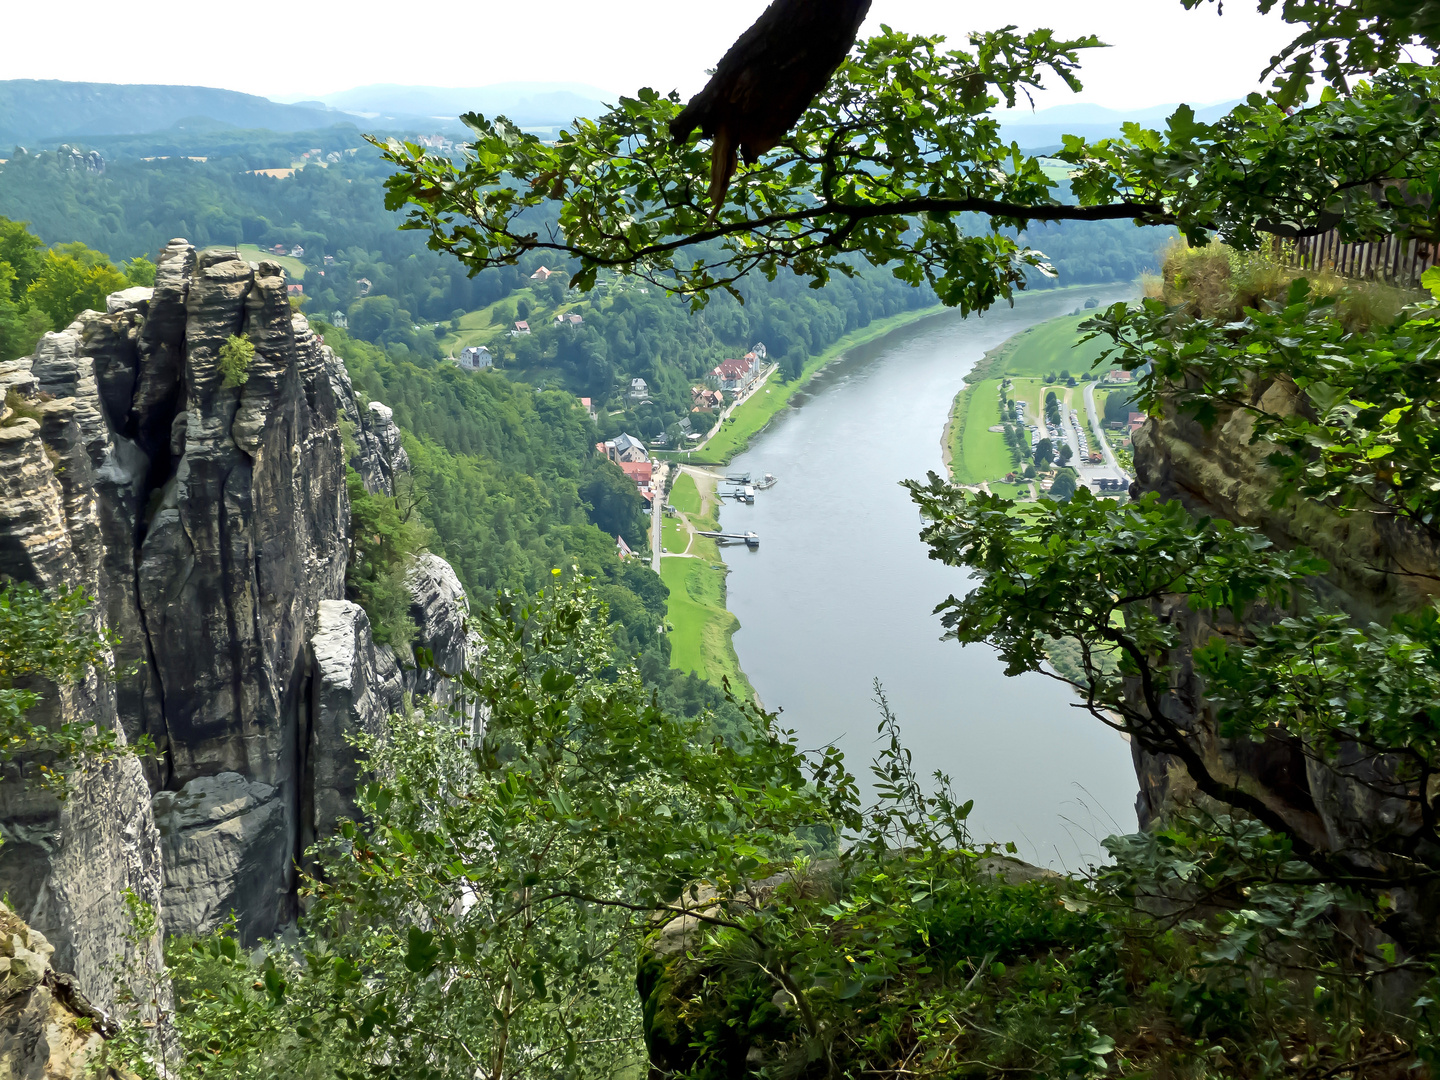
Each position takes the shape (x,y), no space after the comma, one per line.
(71,279)
(1341,40)
(1266,167)
(234,361)
(894,148)
(49,638)
(1366,440)
(140,271)
(386,536)
(1118,407)
(488,910)
(44,290)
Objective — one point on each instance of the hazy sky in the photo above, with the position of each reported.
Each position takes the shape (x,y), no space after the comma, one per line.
(302,48)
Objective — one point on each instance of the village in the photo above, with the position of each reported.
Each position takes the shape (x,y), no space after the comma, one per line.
(728,384)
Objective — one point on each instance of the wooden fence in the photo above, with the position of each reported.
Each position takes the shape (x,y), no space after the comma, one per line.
(1400,262)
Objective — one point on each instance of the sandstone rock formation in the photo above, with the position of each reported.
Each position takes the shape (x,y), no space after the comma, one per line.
(211,523)
(49,1030)
(356,686)
(1378,567)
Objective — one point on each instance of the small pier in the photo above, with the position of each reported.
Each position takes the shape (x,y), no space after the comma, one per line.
(749,539)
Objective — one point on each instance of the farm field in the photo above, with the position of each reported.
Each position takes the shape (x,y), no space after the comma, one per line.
(294,268)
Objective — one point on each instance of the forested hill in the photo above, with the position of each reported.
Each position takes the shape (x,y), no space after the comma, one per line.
(323,192)
(43,109)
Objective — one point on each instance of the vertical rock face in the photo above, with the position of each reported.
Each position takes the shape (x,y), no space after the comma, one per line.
(356,686)
(1378,567)
(67,865)
(211,524)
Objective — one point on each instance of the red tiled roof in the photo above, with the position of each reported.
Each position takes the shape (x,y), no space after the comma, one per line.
(732,369)
(639,471)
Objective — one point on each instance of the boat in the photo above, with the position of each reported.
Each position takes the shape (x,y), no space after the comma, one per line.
(767,482)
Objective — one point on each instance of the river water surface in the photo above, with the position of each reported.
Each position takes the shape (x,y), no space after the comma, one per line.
(841,592)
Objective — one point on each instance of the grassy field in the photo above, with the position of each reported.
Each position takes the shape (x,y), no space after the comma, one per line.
(977,453)
(1011,491)
(685,496)
(1051,346)
(752,417)
(673,535)
(700,641)
(294,268)
(702,627)
(479,327)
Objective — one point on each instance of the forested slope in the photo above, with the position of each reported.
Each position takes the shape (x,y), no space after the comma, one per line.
(392,290)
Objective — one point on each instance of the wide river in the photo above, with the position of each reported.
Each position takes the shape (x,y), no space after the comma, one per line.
(841,592)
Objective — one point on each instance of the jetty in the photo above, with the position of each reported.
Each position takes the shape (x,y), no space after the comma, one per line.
(749,539)
(745,494)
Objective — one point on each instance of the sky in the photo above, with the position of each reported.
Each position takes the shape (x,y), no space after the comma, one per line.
(1161,53)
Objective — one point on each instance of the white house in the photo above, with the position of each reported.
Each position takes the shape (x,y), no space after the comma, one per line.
(639,390)
(736,375)
(475,358)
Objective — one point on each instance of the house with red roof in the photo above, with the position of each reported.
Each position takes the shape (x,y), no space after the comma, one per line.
(736,375)
(642,472)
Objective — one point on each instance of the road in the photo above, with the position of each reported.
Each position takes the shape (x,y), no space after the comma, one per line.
(760,380)
(1099,431)
(657,510)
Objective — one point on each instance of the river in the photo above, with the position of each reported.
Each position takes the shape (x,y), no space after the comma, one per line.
(841,592)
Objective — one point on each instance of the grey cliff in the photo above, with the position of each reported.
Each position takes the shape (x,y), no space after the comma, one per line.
(211,524)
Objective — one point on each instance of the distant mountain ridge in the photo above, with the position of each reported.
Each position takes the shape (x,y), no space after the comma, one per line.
(47,110)
(39,110)
(1048,127)
(530,104)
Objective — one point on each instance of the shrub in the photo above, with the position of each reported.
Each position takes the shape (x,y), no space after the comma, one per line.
(386,536)
(235,357)
(1218,282)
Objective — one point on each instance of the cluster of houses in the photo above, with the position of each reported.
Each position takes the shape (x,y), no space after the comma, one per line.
(629,453)
(737,376)
(296,252)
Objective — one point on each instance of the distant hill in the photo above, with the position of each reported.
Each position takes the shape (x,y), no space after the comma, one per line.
(1047,127)
(530,104)
(33,110)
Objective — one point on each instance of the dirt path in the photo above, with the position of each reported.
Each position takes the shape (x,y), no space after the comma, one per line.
(705,483)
